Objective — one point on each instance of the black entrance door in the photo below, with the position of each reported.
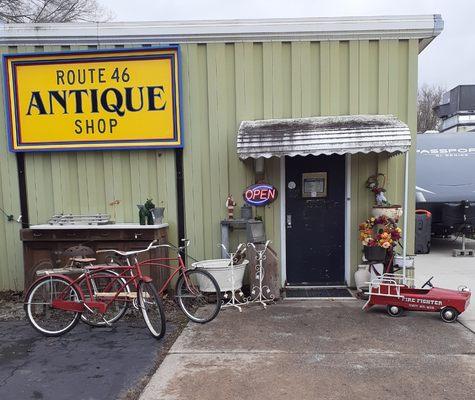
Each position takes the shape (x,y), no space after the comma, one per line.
(315,220)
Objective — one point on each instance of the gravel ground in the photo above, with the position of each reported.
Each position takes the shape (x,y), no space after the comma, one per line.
(11,306)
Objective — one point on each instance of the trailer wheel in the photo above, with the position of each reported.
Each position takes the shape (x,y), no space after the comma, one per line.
(449,314)
(394,311)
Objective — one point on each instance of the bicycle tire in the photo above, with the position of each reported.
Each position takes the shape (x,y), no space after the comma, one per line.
(150,305)
(112,314)
(67,320)
(207,303)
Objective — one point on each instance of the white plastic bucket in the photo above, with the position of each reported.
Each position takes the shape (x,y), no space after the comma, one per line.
(221,271)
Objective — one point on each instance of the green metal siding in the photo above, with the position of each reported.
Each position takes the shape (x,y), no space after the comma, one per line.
(11,273)
(223,84)
(227,83)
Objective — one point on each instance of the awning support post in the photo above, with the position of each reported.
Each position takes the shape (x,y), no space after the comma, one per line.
(405,209)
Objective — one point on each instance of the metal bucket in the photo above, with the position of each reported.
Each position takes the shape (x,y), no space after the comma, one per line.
(157,215)
(221,271)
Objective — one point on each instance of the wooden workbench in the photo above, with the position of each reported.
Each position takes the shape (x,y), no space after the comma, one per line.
(43,245)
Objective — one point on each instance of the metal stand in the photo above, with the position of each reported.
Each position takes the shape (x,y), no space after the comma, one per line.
(463,251)
(233,300)
(465,205)
(257,291)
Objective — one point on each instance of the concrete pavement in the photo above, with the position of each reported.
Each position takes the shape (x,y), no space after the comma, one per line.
(318,349)
(449,272)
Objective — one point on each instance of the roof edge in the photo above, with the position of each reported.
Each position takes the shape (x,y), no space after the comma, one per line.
(438,28)
(422,27)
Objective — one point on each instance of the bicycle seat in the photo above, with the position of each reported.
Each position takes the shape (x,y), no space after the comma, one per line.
(82,260)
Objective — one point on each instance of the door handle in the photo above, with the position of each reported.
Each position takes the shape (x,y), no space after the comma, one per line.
(289,221)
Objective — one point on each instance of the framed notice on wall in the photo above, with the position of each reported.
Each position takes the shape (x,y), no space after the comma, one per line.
(91,100)
(314,184)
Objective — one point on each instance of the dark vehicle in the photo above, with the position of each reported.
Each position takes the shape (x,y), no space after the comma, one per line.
(445,181)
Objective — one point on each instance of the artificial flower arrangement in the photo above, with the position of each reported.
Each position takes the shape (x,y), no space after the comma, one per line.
(380,231)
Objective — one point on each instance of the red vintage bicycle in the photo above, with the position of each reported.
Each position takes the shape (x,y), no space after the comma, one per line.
(101,294)
(55,302)
(196,291)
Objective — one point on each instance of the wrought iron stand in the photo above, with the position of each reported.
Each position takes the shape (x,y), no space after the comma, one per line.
(260,293)
(233,300)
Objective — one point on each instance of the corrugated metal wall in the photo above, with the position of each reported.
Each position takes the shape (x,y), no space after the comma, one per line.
(227,83)
(223,84)
(11,272)
(80,182)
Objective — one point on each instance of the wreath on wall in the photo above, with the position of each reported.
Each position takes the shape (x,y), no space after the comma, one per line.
(376,183)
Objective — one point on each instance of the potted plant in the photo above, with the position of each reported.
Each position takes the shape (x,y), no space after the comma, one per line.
(378,235)
(383,207)
(149,214)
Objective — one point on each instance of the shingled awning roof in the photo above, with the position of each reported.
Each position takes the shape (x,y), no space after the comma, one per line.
(347,134)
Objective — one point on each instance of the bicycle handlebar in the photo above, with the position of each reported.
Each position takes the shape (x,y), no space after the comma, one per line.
(150,247)
(170,246)
(128,253)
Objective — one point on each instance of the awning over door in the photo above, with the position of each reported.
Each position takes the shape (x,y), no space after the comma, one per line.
(322,135)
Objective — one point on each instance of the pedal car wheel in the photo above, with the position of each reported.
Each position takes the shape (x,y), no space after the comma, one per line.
(449,314)
(394,311)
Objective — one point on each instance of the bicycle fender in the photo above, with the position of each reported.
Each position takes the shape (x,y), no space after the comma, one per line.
(147,279)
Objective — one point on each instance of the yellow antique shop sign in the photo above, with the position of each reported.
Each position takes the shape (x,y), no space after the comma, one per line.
(118,99)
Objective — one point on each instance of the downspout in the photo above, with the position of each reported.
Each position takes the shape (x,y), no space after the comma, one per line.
(20,162)
(180,194)
(405,209)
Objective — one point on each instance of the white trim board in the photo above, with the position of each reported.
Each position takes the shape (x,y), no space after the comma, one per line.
(348,219)
(283,231)
(422,27)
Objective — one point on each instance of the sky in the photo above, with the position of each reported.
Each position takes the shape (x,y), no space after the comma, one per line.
(447,62)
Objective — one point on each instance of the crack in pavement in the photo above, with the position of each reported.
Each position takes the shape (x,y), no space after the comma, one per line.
(12,373)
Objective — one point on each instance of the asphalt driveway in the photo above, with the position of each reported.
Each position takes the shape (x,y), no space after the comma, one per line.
(318,350)
(86,363)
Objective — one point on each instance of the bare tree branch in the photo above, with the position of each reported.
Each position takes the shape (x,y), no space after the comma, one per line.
(38,11)
(427,98)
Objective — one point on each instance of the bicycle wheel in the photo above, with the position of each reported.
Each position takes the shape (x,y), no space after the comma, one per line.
(199,295)
(39,311)
(152,309)
(104,282)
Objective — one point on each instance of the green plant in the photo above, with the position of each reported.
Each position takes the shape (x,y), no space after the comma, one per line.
(149,204)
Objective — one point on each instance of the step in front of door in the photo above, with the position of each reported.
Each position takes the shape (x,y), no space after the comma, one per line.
(317,293)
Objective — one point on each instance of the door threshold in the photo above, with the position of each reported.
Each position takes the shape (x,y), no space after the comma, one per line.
(315,287)
(325,293)
(319,298)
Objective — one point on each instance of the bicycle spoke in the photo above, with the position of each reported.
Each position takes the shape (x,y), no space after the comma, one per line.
(197,305)
(45,318)
(105,285)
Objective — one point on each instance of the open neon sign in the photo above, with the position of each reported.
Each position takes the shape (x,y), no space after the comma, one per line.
(260,194)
